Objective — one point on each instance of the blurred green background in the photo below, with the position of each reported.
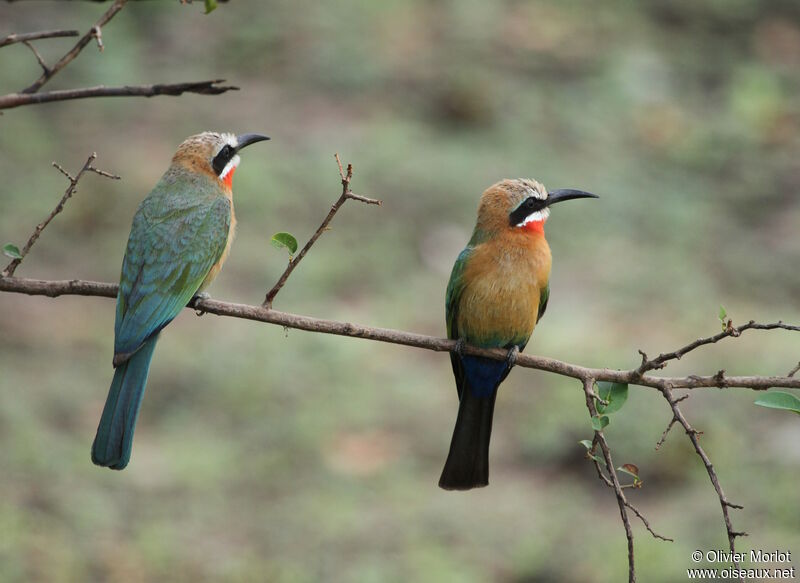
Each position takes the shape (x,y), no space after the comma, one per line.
(263,454)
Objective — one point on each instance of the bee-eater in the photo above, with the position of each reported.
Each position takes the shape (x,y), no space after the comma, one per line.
(180,237)
(498,291)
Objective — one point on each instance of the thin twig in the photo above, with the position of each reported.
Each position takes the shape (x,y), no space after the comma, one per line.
(93,33)
(662,359)
(73,184)
(346,177)
(633,508)
(712,474)
(672,422)
(794,370)
(202,87)
(38,56)
(588,383)
(28,36)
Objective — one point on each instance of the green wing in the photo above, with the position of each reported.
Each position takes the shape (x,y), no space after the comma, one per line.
(455,287)
(544,296)
(175,240)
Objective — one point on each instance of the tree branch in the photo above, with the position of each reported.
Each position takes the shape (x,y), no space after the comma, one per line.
(346,177)
(94,32)
(50,288)
(712,474)
(202,87)
(73,184)
(29,36)
(588,384)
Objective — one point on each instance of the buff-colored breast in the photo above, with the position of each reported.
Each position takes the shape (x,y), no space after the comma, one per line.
(504,278)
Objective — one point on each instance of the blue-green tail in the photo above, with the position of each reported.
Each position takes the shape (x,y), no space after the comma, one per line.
(114,439)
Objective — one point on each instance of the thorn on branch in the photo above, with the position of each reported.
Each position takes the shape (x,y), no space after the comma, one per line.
(98,36)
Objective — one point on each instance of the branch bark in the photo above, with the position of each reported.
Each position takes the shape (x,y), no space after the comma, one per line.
(51,288)
(29,36)
(202,87)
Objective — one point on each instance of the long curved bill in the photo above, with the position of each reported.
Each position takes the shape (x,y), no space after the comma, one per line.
(246,139)
(567,194)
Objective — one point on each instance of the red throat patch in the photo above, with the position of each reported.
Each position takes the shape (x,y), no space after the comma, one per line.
(534,227)
(228,180)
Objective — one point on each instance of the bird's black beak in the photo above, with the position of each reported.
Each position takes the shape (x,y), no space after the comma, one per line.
(246,139)
(567,194)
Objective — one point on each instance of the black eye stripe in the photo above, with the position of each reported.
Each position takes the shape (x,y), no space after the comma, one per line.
(222,158)
(530,206)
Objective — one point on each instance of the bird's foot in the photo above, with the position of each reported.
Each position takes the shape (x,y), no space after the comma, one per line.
(460,344)
(511,359)
(196,298)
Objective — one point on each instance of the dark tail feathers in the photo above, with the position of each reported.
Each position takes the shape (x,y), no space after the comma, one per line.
(467,464)
(114,440)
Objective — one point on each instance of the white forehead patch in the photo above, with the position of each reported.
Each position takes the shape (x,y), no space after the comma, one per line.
(536,217)
(232,163)
(531,190)
(226,140)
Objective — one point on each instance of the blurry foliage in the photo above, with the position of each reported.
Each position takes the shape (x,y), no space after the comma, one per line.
(263,454)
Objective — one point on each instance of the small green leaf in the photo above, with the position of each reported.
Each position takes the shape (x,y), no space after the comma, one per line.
(210,5)
(285,240)
(599,422)
(11,250)
(587,443)
(780,400)
(722,313)
(596,458)
(614,393)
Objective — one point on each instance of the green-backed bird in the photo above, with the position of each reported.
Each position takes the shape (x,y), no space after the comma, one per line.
(180,237)
(498,291)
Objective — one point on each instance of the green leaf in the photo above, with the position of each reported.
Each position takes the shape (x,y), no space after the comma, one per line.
(780,400)
(587,443)
(210,5)
(285,241)
(614,393)
(11,250)
(599,422)
(722,313)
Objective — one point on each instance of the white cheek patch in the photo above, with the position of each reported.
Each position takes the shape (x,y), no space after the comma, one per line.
(538,216)
(232,163)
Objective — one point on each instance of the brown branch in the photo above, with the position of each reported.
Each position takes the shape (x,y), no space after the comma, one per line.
(73,184)
(588,384)
(51,288)
(792,372)
(661,360)
(94,32)
(29,36)
(202,87)
(346,177)
(712,474)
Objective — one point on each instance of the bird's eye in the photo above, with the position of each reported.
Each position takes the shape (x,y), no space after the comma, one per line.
(222,158)
(529,203)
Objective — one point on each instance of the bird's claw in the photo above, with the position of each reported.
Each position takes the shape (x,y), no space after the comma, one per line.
(196,298)
(511,359)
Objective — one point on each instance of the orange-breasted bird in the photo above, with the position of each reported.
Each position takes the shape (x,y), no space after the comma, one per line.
(498,291)
(180,237)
